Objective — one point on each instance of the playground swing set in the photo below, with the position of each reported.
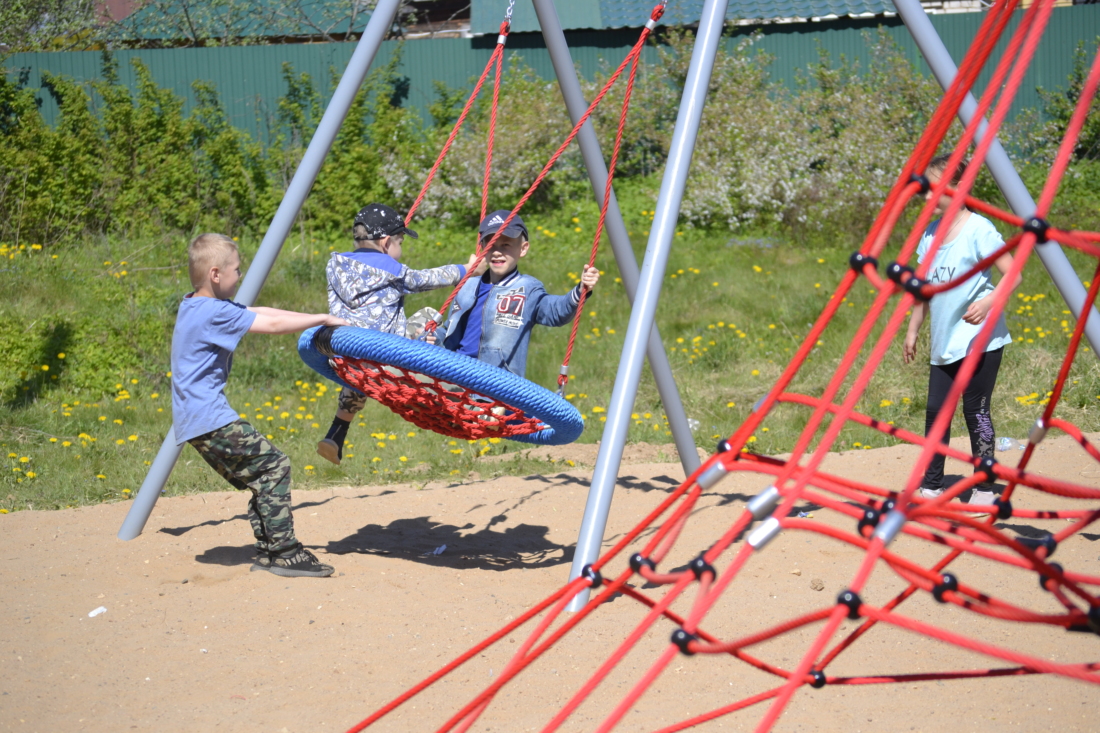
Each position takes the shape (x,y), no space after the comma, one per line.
(450,393)
(467,400)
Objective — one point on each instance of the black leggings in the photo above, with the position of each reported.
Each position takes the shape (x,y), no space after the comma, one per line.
(975,402)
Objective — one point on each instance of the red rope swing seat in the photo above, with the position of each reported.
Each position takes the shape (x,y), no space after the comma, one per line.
(450,393)
(959,560)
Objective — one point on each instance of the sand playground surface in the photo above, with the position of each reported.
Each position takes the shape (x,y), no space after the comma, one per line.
(191,640)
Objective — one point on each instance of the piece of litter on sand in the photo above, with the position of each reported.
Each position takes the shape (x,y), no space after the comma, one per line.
(796,571)
(437,551)
(806,515)
(97,611)
(1009,444)
(203,651)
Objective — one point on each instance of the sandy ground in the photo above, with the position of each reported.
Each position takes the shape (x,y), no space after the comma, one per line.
(192,640)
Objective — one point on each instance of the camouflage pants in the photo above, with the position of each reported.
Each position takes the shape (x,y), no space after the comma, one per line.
(351,400)
(250,462)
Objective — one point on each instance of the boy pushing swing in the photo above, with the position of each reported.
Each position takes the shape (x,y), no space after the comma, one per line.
(209,326)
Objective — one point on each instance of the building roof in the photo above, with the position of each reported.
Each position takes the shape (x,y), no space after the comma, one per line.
(485,15)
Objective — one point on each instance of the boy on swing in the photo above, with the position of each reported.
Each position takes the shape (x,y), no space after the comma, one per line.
(367,287)
(492,316)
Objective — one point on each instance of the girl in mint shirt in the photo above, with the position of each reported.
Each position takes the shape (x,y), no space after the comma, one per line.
(957,315)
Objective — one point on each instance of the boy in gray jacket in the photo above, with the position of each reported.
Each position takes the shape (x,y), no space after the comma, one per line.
(367,287)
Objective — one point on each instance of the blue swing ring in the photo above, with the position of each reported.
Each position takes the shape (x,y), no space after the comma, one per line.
(440,390)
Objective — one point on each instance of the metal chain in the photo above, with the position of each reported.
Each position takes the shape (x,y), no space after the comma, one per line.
(512,4)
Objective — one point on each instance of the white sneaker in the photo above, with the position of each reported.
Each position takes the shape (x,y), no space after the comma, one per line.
(983,498)
(328,450)
(930,493)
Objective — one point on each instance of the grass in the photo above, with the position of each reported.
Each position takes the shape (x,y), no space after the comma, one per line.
(82,428)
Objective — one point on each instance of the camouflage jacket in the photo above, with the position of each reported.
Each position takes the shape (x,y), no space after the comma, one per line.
(369,297)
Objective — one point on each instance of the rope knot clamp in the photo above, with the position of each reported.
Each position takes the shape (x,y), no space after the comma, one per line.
(1046,542)
(948,583)
(1038,432)
(858,260)
(889,527)
(724,446)
(764,503)
(1037,226)
(986,466)
(592,575)
(1047,582)
(817,679)
(639,561)
(764,534)
(925,184)
(700,567)
(711,476)
(1092,621)
(1004,508)
(852,601)
(868,522)
(888,506)
(682,639)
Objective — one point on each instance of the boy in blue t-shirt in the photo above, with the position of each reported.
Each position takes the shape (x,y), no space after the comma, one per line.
(209,326)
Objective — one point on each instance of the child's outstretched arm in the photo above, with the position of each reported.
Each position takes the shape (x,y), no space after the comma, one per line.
(275,321)
(419,281)
(558,310)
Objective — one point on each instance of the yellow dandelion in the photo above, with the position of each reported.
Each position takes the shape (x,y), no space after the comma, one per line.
(133,438)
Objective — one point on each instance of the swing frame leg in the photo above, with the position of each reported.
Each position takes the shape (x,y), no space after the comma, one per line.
(609,458)
(616,228)
(1000,165)
(369,43)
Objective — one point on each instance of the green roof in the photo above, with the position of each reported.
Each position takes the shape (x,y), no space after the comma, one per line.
(485,15)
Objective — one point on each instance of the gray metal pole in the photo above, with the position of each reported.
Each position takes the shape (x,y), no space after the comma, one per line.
(377,28)
(616,228)
(1014,190)
(680,151)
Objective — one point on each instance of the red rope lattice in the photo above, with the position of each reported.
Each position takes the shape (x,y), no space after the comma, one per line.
(442,407)
(959,533)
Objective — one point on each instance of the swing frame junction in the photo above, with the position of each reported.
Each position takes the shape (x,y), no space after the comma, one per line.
(643,286)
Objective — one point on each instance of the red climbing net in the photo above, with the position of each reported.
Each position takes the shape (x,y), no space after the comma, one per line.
(882,522)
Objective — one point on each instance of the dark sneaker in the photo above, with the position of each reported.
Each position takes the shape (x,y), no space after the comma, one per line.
(331,452)
(297,563)
(262,562)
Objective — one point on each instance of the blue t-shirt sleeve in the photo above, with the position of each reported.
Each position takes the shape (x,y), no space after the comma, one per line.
(229,323)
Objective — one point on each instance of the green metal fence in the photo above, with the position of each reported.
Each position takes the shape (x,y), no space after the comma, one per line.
(249,78)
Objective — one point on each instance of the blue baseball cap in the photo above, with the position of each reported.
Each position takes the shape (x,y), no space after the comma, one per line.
(492,223)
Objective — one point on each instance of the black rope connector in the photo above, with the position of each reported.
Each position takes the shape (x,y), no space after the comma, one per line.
(948,583)
(700,567)
(1038,227)
(1047,582)
(681,639)
(852,601)
(868,522)
(592,575)
(1004,508)
(858,260)
(986,466)
(911,284)
(322,341)
(1046,542)
(888,506)
(925,184)
(1092,622)
(639,561)
(818,679)
(724,446)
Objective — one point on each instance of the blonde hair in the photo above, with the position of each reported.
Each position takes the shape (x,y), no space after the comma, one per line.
(206,251)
